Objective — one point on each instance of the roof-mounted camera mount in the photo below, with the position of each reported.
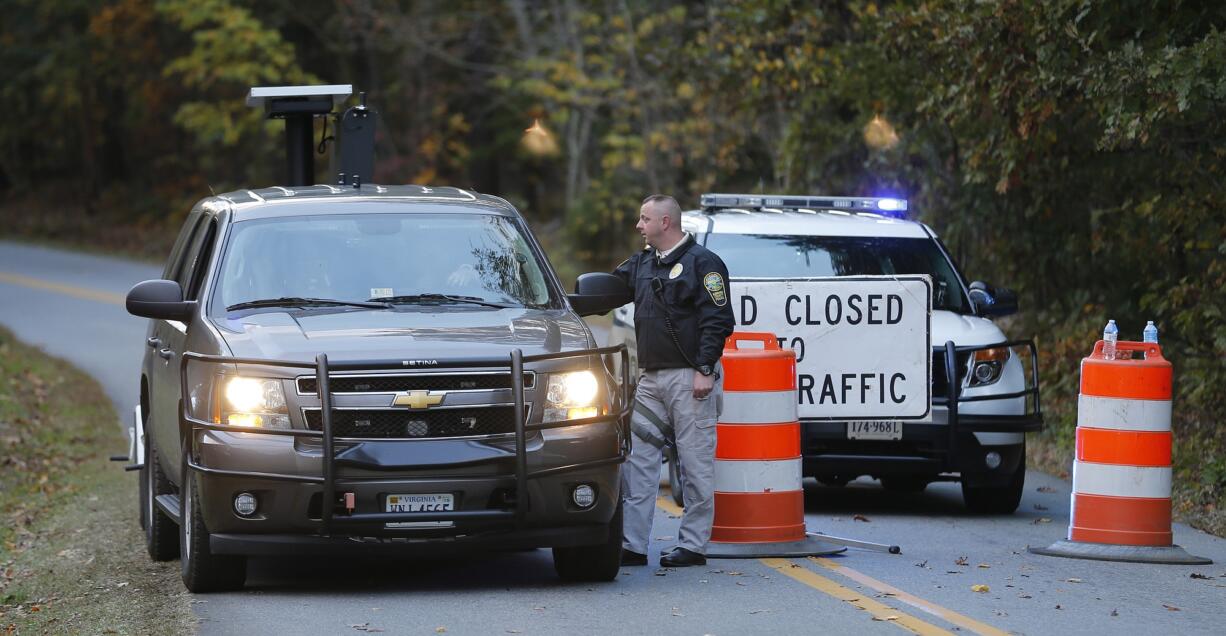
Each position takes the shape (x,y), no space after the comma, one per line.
(299,106)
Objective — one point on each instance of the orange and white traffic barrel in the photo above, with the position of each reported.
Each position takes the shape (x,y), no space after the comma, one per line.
(759,501)
(1121,502)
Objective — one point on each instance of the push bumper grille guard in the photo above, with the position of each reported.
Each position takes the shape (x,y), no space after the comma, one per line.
(1027,422)
(329,480)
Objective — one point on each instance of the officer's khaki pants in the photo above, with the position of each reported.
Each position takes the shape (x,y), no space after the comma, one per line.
(665,408)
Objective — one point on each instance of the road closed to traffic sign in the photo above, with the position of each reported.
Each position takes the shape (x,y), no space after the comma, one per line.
(862,343)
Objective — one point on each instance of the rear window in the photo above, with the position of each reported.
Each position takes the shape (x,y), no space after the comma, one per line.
(774,256)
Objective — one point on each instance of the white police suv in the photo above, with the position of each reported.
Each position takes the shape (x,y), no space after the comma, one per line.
(902,374)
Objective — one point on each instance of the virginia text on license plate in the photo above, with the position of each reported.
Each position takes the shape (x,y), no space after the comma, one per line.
(419,503)
(874,429)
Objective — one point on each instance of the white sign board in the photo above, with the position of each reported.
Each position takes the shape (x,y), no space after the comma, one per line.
(862,343)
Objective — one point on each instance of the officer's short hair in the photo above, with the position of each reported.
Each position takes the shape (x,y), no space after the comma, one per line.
(665,204)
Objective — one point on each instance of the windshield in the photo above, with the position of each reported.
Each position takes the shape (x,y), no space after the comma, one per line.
(402,258)
(768,256)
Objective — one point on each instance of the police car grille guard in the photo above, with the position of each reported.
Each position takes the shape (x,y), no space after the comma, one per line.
(1026,422)
(328,479)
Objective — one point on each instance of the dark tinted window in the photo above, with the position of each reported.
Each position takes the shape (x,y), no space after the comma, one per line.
(770,256)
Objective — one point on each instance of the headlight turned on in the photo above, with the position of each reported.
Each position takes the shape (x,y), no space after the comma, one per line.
(253,403)
(572,396)
(987,365)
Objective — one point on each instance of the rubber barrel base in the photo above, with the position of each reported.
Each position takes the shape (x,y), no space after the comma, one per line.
(809,546)
(1168,554)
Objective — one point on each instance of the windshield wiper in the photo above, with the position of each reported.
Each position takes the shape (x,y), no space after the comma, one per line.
(297,301)
(427,298)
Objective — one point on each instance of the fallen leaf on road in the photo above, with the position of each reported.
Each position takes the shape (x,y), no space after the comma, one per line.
(1115,613)
(440,629)
(740,584)
(961,561)
(1171,608)
(980,588)
(1040,507)
(677,611)
(760,611)
(922,564)
(1041,520)
(515,631)
(860,518)
(1024,596)
(891,617)
(952,572)
(662,572)
(1198,575)
(1074,580)
(984,565)
(1045,489)
(734,573)
(1058,607)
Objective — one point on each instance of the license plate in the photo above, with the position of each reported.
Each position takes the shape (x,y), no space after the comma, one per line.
(419,503)
(874,429)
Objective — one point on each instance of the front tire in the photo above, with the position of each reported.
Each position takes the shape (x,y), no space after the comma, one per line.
(999,500)
(161,533)
(202,570)
(599,562)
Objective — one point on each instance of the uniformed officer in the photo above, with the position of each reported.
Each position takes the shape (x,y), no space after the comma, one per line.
(681,318)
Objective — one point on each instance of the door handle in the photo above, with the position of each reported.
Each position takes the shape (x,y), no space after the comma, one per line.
(153,342)
(166,353)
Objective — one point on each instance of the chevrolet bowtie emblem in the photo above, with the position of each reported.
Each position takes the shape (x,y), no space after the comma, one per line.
(417,399)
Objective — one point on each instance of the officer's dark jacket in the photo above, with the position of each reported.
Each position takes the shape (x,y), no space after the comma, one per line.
(693,284)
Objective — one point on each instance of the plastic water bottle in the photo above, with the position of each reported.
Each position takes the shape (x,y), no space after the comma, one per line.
(1111,335)
(1151,333)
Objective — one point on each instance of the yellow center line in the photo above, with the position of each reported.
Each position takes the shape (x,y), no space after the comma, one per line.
(856,599)
(942,613)
(826,586)
(68,290)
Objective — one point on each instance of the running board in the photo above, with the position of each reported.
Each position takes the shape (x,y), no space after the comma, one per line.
(169,505)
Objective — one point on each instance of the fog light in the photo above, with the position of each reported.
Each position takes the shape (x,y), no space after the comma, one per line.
(584,496)
(992,460)
(244,504)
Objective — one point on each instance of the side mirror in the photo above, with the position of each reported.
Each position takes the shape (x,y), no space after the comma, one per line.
(599,293)
(991,301)
(160,300)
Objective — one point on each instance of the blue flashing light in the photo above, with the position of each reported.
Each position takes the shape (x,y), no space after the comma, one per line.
(891,205)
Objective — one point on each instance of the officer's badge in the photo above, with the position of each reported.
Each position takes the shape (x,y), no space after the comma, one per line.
(675,271)
(715,286)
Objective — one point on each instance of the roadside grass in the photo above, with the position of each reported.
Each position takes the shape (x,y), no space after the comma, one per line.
(72,555)
(121,223)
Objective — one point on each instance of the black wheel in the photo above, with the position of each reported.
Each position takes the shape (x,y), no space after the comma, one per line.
(599,562)
(1000,500)
(202,570)
(905,483)
(161,534)
(676,481)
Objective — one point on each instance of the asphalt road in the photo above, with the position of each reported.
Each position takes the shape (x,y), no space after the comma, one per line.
(72,306)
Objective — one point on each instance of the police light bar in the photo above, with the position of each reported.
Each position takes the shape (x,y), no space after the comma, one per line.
(788,201)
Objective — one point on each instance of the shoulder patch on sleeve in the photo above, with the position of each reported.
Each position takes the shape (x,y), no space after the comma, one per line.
(715,287)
